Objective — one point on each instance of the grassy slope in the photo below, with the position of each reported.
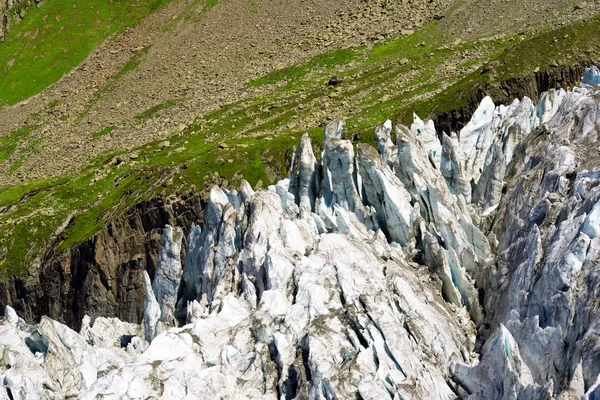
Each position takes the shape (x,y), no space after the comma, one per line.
(260,131)
(57,36)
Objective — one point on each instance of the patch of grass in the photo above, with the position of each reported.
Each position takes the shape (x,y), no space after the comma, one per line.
(105,131)
(409,46)
(153,111)
(24,153)
(64,117)
(209,4)
(9,142)
(329,59)
(58,35)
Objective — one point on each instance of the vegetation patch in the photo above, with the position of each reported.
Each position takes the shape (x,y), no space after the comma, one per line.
(9,142)
(57,36)
(105,131)
(209,4)
(329,59)
(31,146)
(153,111)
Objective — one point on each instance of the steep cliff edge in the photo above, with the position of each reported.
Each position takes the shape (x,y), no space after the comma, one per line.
(102,276)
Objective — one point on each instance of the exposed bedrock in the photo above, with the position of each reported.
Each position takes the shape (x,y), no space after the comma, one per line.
(102,276)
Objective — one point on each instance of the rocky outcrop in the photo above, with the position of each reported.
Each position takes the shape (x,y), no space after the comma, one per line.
(102,276)
(13,10)
(531,86)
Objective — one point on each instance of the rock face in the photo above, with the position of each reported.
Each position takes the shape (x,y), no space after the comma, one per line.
(395,274)
(102,276)
(11,10)
(532,86)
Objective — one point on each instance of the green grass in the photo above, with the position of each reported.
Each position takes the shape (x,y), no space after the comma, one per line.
(329,59)
(31,146)
(105,131)
(153,111)
(58,35)
(209,4)
(9,142)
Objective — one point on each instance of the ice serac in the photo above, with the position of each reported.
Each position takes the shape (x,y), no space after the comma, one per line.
(109,332)
(340,185)
(476,137)
(548,105)
(425,131)
(492,130)
(419,176)
(502,363)
(303,180)
(591,77)
(385,146)
(488,190)
(338,169)
(451,167)
(334,129)
(518,121)
(51,361)
(151,311)
(384,191)
(168,274)
(209,250)
(21,373)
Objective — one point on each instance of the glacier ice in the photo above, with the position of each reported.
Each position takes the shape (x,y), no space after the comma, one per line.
(591,76)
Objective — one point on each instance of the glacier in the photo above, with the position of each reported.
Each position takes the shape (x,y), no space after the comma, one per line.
(434,266)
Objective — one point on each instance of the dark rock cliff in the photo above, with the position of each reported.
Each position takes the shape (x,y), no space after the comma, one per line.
(103,275)
(504,92)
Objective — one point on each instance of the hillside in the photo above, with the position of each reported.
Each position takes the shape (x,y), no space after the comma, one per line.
(157,96)
(143,147)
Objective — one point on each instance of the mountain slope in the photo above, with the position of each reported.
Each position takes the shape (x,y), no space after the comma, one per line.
(277,108)
(366,275)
